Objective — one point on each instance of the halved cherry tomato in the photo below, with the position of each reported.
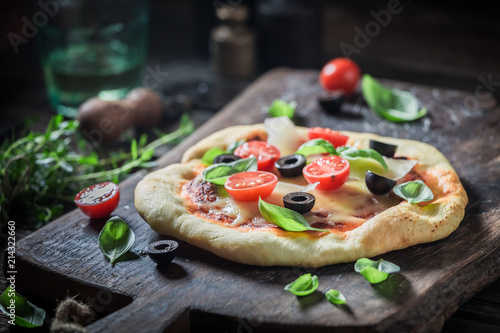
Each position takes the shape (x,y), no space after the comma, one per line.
(265,153)
(99,200)
(331,172)
(340,74)
(334,137)
(250,185)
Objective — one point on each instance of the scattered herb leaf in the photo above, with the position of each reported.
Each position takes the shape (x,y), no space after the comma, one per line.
(375,271)
(284,218)
(116,238)
(281,108)
(335,296)
(218,173)
(414,191)
(304,285)
(392,104)
(26,313)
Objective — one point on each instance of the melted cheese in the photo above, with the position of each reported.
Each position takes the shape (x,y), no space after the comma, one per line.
(343,209)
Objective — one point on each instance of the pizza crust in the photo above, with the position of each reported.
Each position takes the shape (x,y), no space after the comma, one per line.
(157,200)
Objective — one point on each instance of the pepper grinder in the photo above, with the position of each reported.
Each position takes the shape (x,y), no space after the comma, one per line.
(232,43)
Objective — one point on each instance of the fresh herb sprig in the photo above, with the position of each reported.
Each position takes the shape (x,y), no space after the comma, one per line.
(41,172)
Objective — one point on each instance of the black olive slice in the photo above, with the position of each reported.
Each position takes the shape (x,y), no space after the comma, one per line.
(378,184)
(383,148)
(225,158)
(331,102)
(301,202)
(163,251)
(291,165)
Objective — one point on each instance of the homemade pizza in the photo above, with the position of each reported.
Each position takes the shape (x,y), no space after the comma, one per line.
(279,194)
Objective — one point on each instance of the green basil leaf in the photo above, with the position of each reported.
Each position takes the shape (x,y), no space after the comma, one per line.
(281,108)
(26,313)
(208,157)
(335,296)
(354,153)
(304,285)
(387,266)
(392,104)
(316,146)
(373,275)
(116,238)
(375,271)
(218,173)
(285,218)
(232,147)
(414,192)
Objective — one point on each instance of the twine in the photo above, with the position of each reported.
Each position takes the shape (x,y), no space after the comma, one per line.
(69,316)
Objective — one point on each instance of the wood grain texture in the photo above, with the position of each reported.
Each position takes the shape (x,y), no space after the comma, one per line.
(198,290)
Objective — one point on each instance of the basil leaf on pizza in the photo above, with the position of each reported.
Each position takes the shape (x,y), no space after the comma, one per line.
(218,173)
(208,157)
(304,285)
(375,271)
(414,192)
(284,218)
(281,108)
(335,296)
(316,146)
(352,153)
(235,144)
(392,104)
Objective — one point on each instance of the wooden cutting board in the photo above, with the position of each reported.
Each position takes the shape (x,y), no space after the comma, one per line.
(201,292)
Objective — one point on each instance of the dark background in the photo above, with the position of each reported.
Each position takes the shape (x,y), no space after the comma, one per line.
(439,43)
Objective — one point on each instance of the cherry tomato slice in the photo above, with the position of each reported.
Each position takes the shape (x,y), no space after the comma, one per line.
(265,153)
(331,172)
(99,200)
(250,185)
(334,137)
(340,74)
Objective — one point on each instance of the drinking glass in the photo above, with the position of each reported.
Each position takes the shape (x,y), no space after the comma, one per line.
(93,48)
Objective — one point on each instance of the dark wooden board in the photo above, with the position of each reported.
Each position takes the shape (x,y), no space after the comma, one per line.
(200,291)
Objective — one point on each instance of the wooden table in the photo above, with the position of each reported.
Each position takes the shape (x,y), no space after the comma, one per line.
(199,291)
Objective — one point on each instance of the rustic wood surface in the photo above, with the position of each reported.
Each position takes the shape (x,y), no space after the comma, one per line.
(198,290)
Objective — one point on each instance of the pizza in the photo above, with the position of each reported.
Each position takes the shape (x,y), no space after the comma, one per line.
(241,216)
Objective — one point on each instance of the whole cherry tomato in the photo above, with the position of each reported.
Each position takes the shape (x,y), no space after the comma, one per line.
(340,74)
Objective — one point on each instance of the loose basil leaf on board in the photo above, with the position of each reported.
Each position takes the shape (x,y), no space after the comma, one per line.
(284,218)
(208,157)
(281,108)
(116,238)
(375,271)
(232,147)
(335,296)
(352,153)
(392,104)
(316,146)
(24,313)
(304,285)
(373,275)
(414,192)
(218,173)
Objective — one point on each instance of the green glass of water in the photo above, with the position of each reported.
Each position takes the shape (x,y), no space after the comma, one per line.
(93,48)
